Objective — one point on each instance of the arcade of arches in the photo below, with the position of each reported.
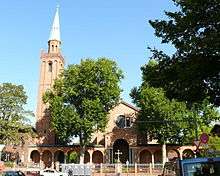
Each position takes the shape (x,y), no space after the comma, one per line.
(49,158)
(120,150)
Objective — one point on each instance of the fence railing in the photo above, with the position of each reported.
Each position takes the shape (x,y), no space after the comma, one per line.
(112,169)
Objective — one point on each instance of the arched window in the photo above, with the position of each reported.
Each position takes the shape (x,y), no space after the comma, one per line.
(50,67)
(123,122)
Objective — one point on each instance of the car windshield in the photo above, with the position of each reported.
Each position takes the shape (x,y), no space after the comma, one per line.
(202,169)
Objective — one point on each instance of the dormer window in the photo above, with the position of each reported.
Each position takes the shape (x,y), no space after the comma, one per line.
(50,67)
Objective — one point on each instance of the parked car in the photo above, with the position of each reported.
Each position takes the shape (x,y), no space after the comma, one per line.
(12,173)
(52,172)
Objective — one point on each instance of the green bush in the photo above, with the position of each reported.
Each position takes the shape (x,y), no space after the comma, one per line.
(9,164)
(73,157)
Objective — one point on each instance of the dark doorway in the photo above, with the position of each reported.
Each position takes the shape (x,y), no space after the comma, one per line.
(145,157)
(47,158)
(122,146)
(86,157)
(35,156)
(59,156)
(97,157)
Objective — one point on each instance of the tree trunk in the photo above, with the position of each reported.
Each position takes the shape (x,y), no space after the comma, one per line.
(82,153)
(82,149)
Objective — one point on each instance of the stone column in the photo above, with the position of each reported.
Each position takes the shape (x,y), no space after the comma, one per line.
(90,156)
(110,155)
(52,160)
(152,159)
(181,154)
(135,155)
(65,156)
(106,138)
(164,153)
(41,161)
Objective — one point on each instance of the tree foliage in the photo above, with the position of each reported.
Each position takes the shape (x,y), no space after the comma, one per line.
(12,114)
(179,91)
(212,147)
(191,74)
(73,157)
(186,83)
(82,97)
(169,120)
(160,117)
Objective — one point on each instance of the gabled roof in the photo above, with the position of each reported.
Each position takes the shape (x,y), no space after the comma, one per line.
(129,105)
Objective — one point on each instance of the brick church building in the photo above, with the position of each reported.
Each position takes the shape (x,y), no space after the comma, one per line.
(120,133)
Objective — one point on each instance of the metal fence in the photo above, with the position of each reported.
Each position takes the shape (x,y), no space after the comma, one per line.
(76,169)
(112,169)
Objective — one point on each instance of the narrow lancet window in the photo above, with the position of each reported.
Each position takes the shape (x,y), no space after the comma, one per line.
(50,67)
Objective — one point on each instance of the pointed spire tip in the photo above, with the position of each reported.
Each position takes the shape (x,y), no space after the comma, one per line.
(58,6)
(55,31)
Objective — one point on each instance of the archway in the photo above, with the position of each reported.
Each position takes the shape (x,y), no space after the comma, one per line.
(158,156)
(59,156)
(145,157)
(122,146)
(172,155)
(47,158)
(97,157)
(73,157)
(35,156)
(187,153)
(86,157)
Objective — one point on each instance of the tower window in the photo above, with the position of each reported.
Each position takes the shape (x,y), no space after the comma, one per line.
(50,67)
(52,48)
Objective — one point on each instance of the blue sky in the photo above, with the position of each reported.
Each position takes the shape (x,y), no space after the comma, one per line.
(117,29)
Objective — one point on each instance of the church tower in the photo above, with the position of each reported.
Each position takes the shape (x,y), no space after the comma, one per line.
(52,63)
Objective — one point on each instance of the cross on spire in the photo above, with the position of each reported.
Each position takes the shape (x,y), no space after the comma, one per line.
(118,153)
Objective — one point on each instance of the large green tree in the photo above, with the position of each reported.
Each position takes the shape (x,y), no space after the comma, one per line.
(13,117)
(170,121)
(191,74)
(81,99)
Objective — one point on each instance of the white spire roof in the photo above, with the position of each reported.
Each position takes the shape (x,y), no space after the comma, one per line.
(55,30)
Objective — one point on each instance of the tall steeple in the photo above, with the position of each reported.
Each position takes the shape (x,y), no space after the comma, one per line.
(54,39)
(55,30)
(52,63)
